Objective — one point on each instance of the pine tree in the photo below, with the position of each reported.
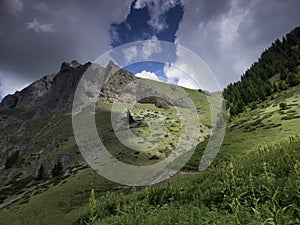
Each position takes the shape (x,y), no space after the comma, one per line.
(292,79)
(282,85)
(275,87)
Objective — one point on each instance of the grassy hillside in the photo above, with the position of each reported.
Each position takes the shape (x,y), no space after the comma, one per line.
(239,187)
(254,180)
(258,127)
(57,203)
(261,186)
(27,200)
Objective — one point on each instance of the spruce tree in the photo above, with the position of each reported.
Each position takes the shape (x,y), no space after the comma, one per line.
(292,79)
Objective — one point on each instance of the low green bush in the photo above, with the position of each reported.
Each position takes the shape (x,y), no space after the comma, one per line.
(282,105)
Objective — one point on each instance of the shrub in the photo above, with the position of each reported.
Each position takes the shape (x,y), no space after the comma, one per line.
(92,206)
(252,105)
(282,105)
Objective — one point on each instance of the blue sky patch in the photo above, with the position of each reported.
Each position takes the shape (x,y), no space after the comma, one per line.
(136,27)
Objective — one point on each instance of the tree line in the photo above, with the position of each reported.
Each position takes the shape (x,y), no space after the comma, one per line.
(277,69)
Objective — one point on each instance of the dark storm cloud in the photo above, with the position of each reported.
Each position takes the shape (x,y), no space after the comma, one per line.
(269,19)
(207,10)
(230,35)
(37,36)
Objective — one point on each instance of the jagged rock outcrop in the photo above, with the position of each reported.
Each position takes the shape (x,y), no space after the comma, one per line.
(116,83)
(54,91)
(124,87)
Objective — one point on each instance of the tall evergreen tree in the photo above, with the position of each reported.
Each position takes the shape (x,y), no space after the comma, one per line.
(293,79)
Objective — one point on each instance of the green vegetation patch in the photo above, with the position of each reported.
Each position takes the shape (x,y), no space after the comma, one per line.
(262,186)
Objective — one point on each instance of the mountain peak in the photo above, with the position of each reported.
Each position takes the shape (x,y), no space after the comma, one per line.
(66,67)
(111,63)
(53,91)
(56,91)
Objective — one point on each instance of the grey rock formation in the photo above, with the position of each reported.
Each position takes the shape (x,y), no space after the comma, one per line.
(116,84)
(158,102)
(54,91)
(162,104)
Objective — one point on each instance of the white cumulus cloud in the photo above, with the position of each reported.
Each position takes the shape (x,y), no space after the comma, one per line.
(230,35)
(142,50)
(148,75)
(151,47)
(176,75)
(14,6)
(190,71)
(130,54)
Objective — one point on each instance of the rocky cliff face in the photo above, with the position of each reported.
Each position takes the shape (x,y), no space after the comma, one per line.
(32,125)
(53,90)
(114,84)
(56,91)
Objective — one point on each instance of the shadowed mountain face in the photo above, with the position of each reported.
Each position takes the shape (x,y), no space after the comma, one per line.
(54,88)
(35,124)
(55,91)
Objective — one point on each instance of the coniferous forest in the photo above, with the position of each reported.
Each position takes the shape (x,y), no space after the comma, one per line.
(276,70)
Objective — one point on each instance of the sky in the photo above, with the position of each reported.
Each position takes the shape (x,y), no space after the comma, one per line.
(36,36)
